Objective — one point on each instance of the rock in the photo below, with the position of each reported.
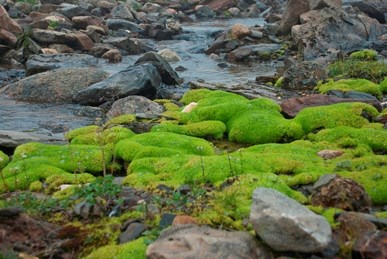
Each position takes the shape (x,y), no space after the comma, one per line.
(134,104)
(130,46)
(290,107)
(57,86)
(48,37)
(41,63)
(251,12)
(132,232)
(368,8)
(116,24)
(10,212)
(239,31)
(183,220)
(342,193)
(7,38)
(12,139)
(122,12)
(291,17)
(166,220)
(329,154)
(244,4)
(83,42)
(134,80)
(219,5)
(282,222)
(319,32)
(204,12)
(49,51)
(320,4)
(191,241)
(168,75)
(113,56)
(81,22)
(151,8)
(234,12)
(260,51)
(73,10)
(371,245)
(159,32)
(169,55)
(7,23)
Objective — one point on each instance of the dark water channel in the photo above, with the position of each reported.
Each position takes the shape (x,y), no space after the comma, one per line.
(48,119)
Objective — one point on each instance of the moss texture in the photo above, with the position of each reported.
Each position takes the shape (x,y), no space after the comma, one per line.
(345,85)
(4,159)
(340,114)
(383,86)
(94,135)
(135,250)
(161,144)
(365,54)
(121,120)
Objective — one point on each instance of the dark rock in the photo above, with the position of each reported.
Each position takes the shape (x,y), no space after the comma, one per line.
(122,12)
(113,56)
(291,17)
(191,241)
(131,46)
(372,245)
(7,38)
(7,23)
(132,105)
(159,32)
(12,139)
(304,75)
(354,95)
(81,22)
(320,4)
(166,220)
(135,80)
(370,9)
(10,212)
(116,24)
(57,86)
(342,193)
(73,10)
(132,232)
(168,75)
(204,12)
(260,51)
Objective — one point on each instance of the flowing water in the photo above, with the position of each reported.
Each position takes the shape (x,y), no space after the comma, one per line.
(189,45)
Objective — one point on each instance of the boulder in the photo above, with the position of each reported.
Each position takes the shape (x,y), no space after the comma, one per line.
(134,104)
(57,86)
(48,37)
(82,41)
(7,38)
(332,28)
(286,225)
(122,12)
(7,23)
(191,241)
(320,4)
(260,51)
(239,31)
(12,138)
(132,46)
(368,8)
(134,80)
(169,55)
(73,10)
(168,75)
(291,17)
(41,63)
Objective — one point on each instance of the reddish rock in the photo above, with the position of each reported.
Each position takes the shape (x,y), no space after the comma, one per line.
(329,154)
(239,31)
(319,4)
(83,41)
(81,22)
(342,193)
(372,245)
(183,220)
(113,56)
(7,23)
(218,5)
(7,38)
(291,17)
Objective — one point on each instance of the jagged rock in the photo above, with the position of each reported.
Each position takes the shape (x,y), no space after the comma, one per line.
(42,88)
(282,223)
(41,63)
(191,241)
(134,80)
(134,104)
(7,23)
(113,56)
(320,4)
(342,193)
(291,17)
(323,29)
(168,75)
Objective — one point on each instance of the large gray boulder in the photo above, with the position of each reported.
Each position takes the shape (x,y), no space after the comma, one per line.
(332,28)
(286,225)
(134,80)
(192,241)
(12,138)
(56,86)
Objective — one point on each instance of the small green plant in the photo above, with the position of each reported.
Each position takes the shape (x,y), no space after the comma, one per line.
(32,2)
(53,24)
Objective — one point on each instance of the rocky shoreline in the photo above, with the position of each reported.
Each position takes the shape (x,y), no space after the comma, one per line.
(130,159)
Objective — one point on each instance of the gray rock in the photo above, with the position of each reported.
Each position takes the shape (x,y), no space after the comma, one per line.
(304,75)
(131,46)
(116,24)
(134,104)
(320,4)
(135,80)
(50,36)
(286,225)
(45,62)
(132,232)
(73,10)
(291,17)
(263,51)
(370,9)
(57,86)
(191,241)
(122,11)
(12,139)
(205,12)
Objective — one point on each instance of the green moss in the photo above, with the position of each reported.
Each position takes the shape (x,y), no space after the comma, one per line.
(54,181)
(121,120)
(199,94)
(345,85)
(169,105)
(279,82)
(98,136)
(4,159)
(327,213)
(330,116)
(135,250)
(36,186)
(81,131)
(365,54)
(374,71)
(344,136)
(381,214)
(203,129)
(383,86)
(157,144)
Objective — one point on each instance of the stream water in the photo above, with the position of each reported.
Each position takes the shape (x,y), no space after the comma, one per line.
(189,45)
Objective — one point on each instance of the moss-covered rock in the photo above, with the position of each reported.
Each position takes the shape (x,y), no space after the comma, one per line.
(4,159)
(135,250)
(161,144)
(345,85)
(365,54)
(121,120)
(94,135)
(203,129)
(211,96)
(54,181)
(341,114)
(36,186)
(383,86)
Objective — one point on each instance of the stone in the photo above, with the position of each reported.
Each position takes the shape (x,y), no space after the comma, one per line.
(131,46)
(342,193)
(234,12)
(159,32)
(7,23)
(239,31)
(113,56)
(370,9)
(116,24)
(122,12)
(291,17)
(168,75)
(166,220)
(260,51)
(329,153)
(57,86)
(151,8)
(220,5)
(251,12)
(7,38)
(73,10)
(204,12)
(134,80)
(134,104)
(82,41)
(12,138)
(282,223)
(169,55)
(371,245)
(48,37)
(183,220)
(191,241)
(81,22)
(10,212)
(320,4)
(132,232)
(61,48)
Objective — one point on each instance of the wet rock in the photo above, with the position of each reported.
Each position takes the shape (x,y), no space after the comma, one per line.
(372,245)
(291,17)
(56,86)
(113,56)
(168,75)
(134,104)
(303,75)
(159,32)
(169,55)
(282,222)
(130,46)
(342,193)
(7,23)
(12,139)
(260,51)
(41,63)
(290,107)
(191,241)
(132,232)
(318,31)
(135,80)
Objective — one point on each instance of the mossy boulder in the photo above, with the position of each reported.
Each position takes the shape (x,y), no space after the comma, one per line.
(95,135)
(346,85)
(354,115)
(203,129)
(135,250)
(161,144)
(4,159)
(209,96)
(383,86)
(121,120)
(365,54)
(54,181)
